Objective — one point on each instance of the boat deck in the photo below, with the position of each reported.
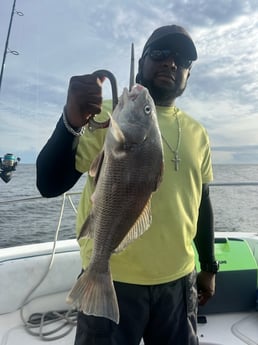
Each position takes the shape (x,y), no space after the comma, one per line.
(231,329)
(27,265)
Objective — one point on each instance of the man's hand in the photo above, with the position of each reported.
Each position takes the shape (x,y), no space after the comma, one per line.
(205,286)
(84,99)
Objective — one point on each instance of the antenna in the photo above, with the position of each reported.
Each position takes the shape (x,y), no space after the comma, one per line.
(131,80)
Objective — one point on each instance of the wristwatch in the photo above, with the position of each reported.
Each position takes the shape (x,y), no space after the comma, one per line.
(212,267)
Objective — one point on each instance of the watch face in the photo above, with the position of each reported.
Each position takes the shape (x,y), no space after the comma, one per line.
(215,267)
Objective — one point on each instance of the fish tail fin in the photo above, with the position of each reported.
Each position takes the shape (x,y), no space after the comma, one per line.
(94,294)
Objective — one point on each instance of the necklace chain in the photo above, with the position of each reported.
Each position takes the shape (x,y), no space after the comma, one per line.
(176,160)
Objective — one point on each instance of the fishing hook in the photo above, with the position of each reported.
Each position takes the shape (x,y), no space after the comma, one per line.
(93,124)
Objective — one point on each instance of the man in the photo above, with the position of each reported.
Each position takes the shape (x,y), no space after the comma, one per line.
(154,277)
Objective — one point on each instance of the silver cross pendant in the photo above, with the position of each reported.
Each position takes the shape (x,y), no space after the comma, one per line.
(176,161)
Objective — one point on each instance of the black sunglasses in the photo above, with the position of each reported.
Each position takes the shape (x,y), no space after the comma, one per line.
(163,54)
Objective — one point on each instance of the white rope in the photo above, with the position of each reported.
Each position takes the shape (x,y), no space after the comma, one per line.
(72,204)
(240,335)
(40,320)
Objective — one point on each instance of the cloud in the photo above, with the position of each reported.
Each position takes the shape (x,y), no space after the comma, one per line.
(78,37)
(235,154)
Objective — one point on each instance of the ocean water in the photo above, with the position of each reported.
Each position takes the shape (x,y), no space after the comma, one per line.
(27,218)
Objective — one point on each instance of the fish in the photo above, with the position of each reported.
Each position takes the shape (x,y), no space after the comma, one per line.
(126,173)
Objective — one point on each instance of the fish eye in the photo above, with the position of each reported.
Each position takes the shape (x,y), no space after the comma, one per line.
(147,109)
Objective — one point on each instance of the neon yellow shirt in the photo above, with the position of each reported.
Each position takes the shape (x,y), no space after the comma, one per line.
(164,253)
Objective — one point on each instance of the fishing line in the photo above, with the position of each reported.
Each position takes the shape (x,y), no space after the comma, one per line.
(39,320)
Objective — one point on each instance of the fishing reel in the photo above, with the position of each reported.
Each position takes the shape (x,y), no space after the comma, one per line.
(8,164)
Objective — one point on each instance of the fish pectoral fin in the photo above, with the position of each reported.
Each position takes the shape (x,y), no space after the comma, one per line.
(94,294)
(142,224)
(116,131)
(87,230)
(96,166)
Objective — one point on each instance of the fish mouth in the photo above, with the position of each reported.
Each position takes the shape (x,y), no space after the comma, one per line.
(137,89)
(130,95)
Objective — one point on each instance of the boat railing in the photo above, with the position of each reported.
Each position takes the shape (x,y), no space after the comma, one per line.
(232,184)
(72,193)
(35,218)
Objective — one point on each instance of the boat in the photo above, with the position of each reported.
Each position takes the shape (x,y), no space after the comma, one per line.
(35,280)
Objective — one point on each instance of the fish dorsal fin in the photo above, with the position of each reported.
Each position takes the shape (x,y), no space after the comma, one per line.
(140,226)
(96,166)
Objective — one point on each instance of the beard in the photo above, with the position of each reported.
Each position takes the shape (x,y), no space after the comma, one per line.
(162,94)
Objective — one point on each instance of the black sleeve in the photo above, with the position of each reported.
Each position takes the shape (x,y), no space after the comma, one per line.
(204,240)
(55,165)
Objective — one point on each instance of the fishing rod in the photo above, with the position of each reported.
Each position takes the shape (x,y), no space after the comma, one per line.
(6,49)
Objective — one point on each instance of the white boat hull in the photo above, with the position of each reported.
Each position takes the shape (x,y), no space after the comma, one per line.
(22,268)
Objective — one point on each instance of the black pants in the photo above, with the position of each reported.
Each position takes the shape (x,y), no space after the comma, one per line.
(162,314)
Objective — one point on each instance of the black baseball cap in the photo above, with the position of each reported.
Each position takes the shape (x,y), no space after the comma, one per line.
(173,36)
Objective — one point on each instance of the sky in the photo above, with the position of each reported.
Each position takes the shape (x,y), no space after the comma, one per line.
(58,39)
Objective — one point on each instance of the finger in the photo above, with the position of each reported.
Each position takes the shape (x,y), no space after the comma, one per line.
(91,107)
(85,78)
(203,297)
(101,80)
(86,89)
(87,83)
